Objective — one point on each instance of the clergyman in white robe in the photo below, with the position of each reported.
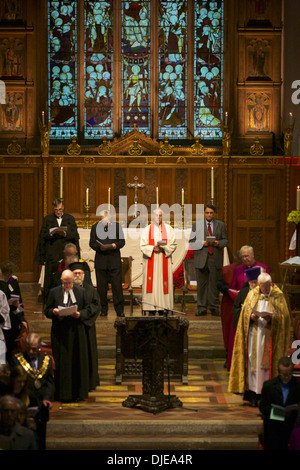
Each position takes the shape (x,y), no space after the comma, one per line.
(157,289)
(5,324)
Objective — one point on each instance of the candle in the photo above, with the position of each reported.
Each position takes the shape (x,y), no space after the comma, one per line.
(108,198)
(212,183)
(43,118)
(156,197)
(87,196)
(61,189)
(182,197)
(298,198)
(291,119)
(226,118)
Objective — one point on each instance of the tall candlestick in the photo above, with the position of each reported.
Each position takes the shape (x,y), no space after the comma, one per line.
(226,118)
(298,198)
(108,198)
(61,185)
(87,196)
(212,184)
(156,197)
(182,197)
(43,118)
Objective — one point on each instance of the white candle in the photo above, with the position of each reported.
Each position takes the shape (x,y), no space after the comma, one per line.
(156,197)
(182,197)
(291,119)
(226,118)
(108,198)
(61,185)
(87,196)
(298,198)
(43,118)
(212,183)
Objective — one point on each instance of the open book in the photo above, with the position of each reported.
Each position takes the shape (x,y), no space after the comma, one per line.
(262,314)
(67,311)
(278,412)
(108,246)
(54,230)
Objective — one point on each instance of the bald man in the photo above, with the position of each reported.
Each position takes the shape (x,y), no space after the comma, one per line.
(68,337)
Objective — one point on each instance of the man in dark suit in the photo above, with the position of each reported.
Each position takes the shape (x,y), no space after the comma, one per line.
(68,338)
(283,390)
(39,369)
(57,230)
(208,259)
(107,239)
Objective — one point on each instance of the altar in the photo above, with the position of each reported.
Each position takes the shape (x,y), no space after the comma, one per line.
(132,248)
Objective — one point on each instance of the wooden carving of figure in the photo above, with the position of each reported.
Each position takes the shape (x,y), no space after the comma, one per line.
(288,138)
(226,137)
(45,137)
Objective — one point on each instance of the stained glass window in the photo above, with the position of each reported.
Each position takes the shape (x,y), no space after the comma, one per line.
(153,64)
(135,72)
(98,72)
(208,69)
(62,54)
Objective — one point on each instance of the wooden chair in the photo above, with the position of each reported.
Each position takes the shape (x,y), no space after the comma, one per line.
(189,277)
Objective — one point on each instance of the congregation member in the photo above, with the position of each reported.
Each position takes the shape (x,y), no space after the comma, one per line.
(40,383)
(89,323)
(58,229)
(13,435)
(262,337)
(107,239)
(16,334)
(280,398)
(208,260)
(157,244)
(68,338)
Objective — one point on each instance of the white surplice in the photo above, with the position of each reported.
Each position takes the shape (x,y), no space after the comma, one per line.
(259,376)
(157,300)
(6,325)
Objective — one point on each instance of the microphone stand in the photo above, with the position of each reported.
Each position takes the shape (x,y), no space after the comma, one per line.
(166,311)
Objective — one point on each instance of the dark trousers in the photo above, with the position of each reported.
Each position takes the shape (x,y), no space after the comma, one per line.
(114,276)
(207,291)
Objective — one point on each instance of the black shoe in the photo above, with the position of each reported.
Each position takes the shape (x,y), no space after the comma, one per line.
(214,313)
(200,313)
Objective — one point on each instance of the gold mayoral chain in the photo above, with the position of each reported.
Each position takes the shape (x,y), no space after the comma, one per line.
(36,374)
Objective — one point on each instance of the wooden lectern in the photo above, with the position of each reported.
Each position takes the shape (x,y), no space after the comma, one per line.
(151,338)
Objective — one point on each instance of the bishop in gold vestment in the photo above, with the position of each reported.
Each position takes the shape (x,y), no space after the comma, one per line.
(259,341)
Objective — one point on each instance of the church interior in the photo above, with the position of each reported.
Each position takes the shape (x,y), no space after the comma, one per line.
(161,102)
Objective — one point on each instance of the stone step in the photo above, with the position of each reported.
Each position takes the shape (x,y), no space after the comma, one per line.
(159,443)
(159,435)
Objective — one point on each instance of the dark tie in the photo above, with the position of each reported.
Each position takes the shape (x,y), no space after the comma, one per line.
(210,248)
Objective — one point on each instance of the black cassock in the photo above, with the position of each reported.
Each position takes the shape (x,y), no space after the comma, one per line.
(70,346)
(90,327)
(49,251)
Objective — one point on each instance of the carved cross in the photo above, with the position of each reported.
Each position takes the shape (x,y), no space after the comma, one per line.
(136,186)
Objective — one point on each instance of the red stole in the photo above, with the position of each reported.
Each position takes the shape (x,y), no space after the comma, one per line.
(150,266)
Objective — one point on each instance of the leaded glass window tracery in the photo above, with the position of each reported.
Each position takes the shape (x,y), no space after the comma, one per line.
(153,64)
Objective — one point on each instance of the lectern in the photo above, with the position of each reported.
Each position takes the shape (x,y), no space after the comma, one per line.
(151,338)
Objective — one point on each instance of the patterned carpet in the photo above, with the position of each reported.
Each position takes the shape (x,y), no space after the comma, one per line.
(204,399)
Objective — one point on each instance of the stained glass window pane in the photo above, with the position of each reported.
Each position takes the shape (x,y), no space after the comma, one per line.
(135,59)
(98,72)
(62,68)
(208,73)
(172,69)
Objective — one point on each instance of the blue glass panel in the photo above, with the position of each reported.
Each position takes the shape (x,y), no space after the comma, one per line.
(62,68)
(172,69)
(208,71)
(135,58)
(98,72)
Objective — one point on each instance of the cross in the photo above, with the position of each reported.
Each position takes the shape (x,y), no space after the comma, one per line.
(136,186)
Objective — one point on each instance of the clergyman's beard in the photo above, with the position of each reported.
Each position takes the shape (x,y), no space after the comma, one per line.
(78,282)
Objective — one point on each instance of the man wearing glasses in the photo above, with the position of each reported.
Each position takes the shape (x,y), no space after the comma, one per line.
(57,229)
(248,261)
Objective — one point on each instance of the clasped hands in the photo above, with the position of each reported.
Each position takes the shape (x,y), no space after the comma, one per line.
(74,315)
